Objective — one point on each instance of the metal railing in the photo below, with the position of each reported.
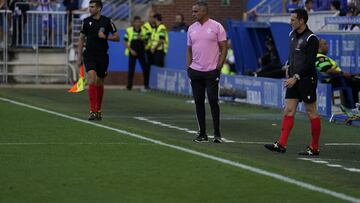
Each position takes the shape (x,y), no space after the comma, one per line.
(5,15)
(40,28)
(34,32)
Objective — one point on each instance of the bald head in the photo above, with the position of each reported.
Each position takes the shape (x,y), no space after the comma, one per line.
(323,46)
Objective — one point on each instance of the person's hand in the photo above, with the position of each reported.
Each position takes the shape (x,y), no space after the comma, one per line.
(347,74)
(290,82)
(79,60)
(102,35)
(286,69)
(133,52)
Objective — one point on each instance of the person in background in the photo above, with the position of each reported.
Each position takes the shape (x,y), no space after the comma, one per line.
(149,28)
(47,21)
(135,40)
(335,6)
(70,6)
(309,6)
(180,25)
(229,66)
(295,4)
(351,11)
(84,7)
(3,18)
(19,9)
(321,5)
(301,84)
(160,42)
(327,66)
(94,35)
(270,65)
(206,54)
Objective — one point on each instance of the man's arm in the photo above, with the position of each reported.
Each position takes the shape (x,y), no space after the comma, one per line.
(189,56)
(223,53)
(114,37)
(80,48)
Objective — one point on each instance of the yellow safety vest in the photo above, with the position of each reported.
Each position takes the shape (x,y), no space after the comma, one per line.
(129,34)
(160,31)
(149,32)
(322,61)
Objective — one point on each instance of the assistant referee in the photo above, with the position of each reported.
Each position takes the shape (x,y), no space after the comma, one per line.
(95,32)
(206,54)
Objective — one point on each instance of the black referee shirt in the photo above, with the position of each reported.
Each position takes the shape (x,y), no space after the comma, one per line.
(91,28)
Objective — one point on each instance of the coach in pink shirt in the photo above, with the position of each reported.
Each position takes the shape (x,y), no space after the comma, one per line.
(206,54)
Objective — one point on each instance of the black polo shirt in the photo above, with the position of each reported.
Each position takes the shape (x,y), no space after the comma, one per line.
(91,28)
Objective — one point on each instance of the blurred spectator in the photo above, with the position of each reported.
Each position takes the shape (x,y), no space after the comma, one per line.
(134,41)
(46,20)
(335,6)
(229,65)
(180,25)
(251,15)
(70,6)
(18,8)
(351,11)
(84,7)
(309,6)
(270,65)
(327,66)
(160,42)
(295,4)
(321,5)
(3,18)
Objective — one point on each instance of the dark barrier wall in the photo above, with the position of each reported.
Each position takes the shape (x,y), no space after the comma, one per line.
(176,57)
(259,91)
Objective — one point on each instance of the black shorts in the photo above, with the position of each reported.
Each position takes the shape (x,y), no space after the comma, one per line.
(304,90)
(97,62)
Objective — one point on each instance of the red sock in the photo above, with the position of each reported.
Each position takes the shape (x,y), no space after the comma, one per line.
(287,125)
(315,132)
(99,97)
(92,97)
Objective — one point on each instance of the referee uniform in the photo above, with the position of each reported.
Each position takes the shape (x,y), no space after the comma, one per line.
(303,48)
(301,84)
(96,51)
(95,32)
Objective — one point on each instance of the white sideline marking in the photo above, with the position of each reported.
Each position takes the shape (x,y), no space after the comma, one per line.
(342,144)
(193,132)
(201,154)
(72,143)
(320,161)
(175,127)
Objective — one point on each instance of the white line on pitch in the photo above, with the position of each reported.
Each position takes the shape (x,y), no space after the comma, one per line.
(342,144)
(320,161)
(192,131)
(175,127)
(72,143)
(200,154)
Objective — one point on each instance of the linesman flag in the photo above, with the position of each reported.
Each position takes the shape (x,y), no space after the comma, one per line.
(80,84)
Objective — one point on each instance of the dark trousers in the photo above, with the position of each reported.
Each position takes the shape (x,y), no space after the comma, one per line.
(150,58)
(208,82)
(159,58)
(131,69)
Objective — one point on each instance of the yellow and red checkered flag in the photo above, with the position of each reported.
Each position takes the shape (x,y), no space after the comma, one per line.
(80,84)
